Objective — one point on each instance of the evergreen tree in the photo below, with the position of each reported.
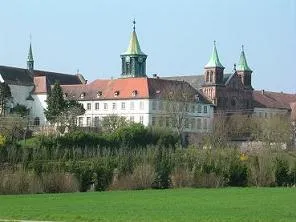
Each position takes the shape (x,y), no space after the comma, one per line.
(5,95)
(55,103)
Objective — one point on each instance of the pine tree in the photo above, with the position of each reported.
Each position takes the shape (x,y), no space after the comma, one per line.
(5,95)
(55,103)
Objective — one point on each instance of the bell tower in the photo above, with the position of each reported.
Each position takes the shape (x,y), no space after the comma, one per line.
(244,71)
(133,60)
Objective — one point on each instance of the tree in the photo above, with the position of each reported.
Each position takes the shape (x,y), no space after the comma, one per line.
(60,111)
(68,117)
(20,110)
(112,122)
(5,95)
(55,103)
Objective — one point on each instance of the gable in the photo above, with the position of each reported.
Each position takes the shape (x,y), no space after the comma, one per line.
(234,82)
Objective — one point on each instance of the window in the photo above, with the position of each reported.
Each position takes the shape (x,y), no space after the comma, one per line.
(141,119)
(82,95)
(160,121)
(199,108)
(99,93)
(97,106)
(88,121)
(198,123)
(80,121)
(97,121)
(116,93)
(132,118)
(186,123)
(153,121)
(187,107)
(205,109)
(153,105)
(141,105)
(160,105)
(114,106)
(105,106)
(123,105)
(192,123)
(36,121)
(132,105)
(192,108)
(135,93)
(205,124)
(88,106)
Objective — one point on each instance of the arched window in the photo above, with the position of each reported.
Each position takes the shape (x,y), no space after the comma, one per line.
(207,76)
(36,121)
(212,76)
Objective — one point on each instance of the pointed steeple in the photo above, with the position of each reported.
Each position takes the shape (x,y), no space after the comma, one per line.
(134,46)
(133,60)
(242,64)
(30,59)
(214,60)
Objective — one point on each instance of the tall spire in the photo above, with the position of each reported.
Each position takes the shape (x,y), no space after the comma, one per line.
(242,64)
(134,46)
(30,59)
(214,60)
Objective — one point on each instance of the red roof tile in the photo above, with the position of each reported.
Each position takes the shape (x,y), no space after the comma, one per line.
(40,84)
(266,99)
(128,88)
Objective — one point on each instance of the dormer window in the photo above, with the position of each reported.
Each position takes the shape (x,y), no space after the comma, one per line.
(196,97)
(65,95)
(99,94)
(82,95)
(116,93)
(135,93)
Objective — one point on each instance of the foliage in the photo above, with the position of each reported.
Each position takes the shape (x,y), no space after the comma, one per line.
(110,123)
(20,110)
(13,127)
(5,95)
(55,103)
(282,176)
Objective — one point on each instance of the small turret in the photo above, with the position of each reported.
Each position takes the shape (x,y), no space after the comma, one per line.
(214,69)
(244,71)
(133,60)
(30,60)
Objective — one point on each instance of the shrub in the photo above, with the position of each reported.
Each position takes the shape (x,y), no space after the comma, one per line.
(282,176)
(104,174)
(238,175)
(59,183)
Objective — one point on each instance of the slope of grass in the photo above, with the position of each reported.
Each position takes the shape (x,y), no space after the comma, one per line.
(229,204)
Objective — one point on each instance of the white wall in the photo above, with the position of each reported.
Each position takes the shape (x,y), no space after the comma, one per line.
(142,109)
(268,112)
(20,94)
(38,107)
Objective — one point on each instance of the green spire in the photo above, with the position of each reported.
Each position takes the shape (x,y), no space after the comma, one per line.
(242,64)
(214,60)
(134,46)
(30,54)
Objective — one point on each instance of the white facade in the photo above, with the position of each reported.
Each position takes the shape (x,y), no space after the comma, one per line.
(197,118)
(39,104)
(269,112)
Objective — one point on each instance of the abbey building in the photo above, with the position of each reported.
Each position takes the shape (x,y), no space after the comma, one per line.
(188,103)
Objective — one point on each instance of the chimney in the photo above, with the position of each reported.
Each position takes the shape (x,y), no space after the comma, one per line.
(262,91)
(155,76)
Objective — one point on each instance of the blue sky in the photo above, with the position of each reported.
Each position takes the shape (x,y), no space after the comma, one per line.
(177,36)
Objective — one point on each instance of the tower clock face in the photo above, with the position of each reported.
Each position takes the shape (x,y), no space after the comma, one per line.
(127,59)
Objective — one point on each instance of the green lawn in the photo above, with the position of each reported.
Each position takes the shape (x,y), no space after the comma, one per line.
(229,204)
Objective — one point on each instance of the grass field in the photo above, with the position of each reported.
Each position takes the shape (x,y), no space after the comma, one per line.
(228,204)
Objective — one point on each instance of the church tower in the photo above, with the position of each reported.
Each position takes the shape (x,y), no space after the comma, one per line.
(244,71)
(214,69)
(30,60)
(133,60)
(213,76)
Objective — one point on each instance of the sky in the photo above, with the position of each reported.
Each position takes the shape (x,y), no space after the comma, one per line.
(177,36)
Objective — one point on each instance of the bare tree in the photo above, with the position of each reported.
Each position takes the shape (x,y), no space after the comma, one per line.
(113,122)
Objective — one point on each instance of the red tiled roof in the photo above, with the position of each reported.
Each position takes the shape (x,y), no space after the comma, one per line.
(40,84)
(128,88)
(266,99)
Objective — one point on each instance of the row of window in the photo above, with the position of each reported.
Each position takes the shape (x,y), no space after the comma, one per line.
(95,121)
(187,123)
(187,107)
(115,105)
(268,115)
